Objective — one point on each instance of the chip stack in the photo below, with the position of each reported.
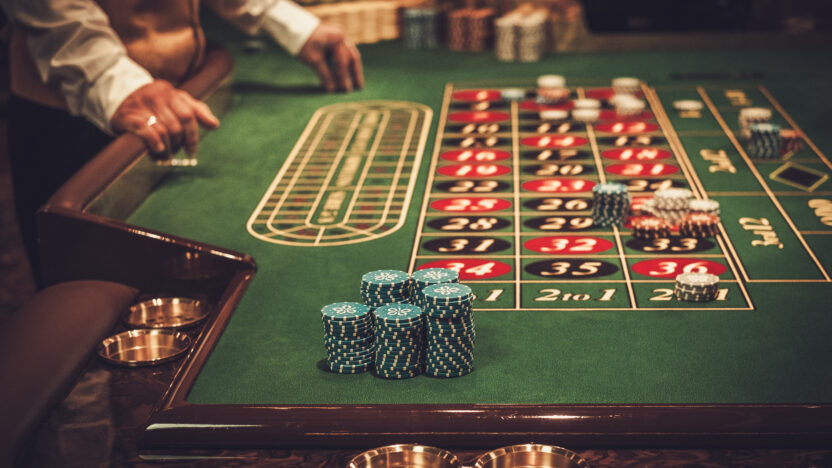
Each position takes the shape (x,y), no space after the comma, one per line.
(456,28)
(531,37)
(399,338)
(429,277)
(412,28)
(650,227)
(750,115)
(696,287)
(704,206)
(765,141)
(671,204)
(790,142)
(611,204)
(513,94)
(699,225)
(626,85)
(349,337)
(586,115)
(383,287)
(628,105)
(419,28)
(449,322)
(505,43)
(478,33)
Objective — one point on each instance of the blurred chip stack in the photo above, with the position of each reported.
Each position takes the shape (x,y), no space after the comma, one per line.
(521,34)
(419,28)
(470,29)
(790,143)
(611,204)
(363,22)
(505,44)
(671,204)
(765,141)
(750,115)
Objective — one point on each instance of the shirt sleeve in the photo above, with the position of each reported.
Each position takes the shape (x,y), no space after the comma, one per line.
(287,23)
(77,52)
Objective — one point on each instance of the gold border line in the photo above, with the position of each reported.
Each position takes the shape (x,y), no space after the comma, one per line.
(602,177)
(794,125)
(682,157)
(437,146)
(515,167)
(760,179)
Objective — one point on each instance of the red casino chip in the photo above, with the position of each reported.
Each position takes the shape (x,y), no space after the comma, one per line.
(470,268)
(470,204)
(669,268)
(568,245)
(636,154)
(558,185)
(475,155)
(642,169)
(478,117)
(628,128)
(471,95)
(474,170)
(554,141)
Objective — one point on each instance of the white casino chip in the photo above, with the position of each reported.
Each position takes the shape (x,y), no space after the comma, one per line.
(587,103)
(554,114)
(688,105)
(551,81)
(586,115)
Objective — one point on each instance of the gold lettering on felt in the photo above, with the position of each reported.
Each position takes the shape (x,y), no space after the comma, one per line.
(737,97)
(720,162)
(823,210)
(761,227)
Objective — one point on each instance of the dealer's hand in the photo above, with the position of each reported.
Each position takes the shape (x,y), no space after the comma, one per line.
(334,58)
(164,117)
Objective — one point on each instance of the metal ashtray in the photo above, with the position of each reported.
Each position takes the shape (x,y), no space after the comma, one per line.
(404,455)
(167,312)
(144,347)
(531,456)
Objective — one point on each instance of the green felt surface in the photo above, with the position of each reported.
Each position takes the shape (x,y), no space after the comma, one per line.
(271,352)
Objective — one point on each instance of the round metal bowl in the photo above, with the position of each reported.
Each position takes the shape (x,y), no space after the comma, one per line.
(167,312)
(144,347)
(404,455)
(529,456)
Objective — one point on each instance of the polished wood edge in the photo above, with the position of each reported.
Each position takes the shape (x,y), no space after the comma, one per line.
(237,426)
(117,158)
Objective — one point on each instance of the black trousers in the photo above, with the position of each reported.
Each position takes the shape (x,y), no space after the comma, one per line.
(46,147)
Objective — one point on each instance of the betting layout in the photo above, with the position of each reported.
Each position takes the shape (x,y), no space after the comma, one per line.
(509,202)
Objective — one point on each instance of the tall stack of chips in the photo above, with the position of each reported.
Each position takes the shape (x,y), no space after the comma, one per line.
(790,142)
(765,141)
(696,287)
(457,28)
(671,204)
(449,321)
(750,115)
(429,277)
(531,37)
(399,341)
(699,225)
(419,28)
(611,204)
(479,29)
(348,329)
(382,287)
(505,44)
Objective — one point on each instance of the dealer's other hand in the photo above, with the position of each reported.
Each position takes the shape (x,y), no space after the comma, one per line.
(335,59)
(164,117)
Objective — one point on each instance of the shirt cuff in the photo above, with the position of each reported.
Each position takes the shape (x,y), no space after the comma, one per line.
(111,89)
(289,25)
